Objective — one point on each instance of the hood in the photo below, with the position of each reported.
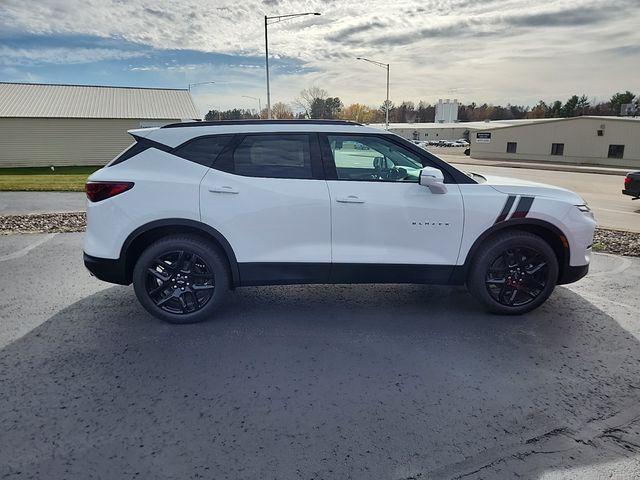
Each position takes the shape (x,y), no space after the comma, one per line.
(515,186)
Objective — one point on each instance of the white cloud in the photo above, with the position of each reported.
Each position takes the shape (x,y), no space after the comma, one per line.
(60,55)
(492,50)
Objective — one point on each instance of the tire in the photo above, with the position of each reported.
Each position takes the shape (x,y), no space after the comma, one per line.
(181,279)
(495,281)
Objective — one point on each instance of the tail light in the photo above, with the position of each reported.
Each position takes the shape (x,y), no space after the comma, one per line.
(627,182)
(97,191)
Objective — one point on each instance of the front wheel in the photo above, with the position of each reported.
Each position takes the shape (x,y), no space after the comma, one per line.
(181,279)
(514,273)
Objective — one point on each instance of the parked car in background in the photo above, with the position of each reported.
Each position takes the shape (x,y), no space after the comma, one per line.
(632,185)
(452,143)
(192,210)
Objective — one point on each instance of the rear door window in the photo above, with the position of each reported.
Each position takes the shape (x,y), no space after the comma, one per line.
(272,156)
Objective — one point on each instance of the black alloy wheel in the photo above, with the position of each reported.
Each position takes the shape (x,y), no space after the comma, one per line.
(517,276)
(513,272)
(180,282)
(182,278)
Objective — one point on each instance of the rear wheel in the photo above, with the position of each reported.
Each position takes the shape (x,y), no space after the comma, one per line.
(514,273)
(181,279)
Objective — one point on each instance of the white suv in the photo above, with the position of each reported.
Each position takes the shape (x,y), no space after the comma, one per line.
(192,210)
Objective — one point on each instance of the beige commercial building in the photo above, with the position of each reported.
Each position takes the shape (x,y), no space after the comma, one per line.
(44,125)
(612,141)
(444,131)
(588,140)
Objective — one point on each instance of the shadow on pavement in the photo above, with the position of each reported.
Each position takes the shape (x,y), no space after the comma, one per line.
(316,382)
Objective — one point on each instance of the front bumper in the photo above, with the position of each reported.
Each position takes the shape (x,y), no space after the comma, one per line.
(107,269)
(572,274)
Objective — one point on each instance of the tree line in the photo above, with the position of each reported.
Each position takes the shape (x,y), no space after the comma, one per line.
(315,102)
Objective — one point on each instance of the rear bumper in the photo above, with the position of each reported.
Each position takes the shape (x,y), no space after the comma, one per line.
(107,269)
(631,193)
(572,274)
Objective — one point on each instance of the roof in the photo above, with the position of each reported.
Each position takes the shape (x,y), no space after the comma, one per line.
(176,136)
(31,100)
(567,119)
(493,124)
(471,125)
(261,122)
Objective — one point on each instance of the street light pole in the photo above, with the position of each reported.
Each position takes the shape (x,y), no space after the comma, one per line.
(259,103)
(266,61)
(386,105)
(386,109)
(199,83)
(267,21)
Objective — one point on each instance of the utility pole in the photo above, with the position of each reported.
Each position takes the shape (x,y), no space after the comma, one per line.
(266,61)
(259,102)
(267,21)
(386,104)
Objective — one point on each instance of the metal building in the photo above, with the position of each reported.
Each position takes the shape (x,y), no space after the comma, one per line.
(44,124)
(445,131)
(588,140)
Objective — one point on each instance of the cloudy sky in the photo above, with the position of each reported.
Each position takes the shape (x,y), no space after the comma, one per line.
(496,51)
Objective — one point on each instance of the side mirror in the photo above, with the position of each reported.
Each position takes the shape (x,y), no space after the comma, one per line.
(433,179)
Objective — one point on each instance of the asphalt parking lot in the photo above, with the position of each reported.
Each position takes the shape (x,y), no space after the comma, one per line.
(313,382)
(20,203)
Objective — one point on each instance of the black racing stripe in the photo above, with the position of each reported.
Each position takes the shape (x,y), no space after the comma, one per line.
(505,210)
(523,207)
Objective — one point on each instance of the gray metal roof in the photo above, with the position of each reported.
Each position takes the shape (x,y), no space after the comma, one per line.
(30,100)
(493,124)
(482,125)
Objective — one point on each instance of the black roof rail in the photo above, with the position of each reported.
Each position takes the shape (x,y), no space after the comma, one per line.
(261,122)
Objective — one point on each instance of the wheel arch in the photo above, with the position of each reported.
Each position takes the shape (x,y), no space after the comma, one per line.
(547,231)
(149,232)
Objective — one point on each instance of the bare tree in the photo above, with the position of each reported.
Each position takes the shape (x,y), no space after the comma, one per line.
(310,96)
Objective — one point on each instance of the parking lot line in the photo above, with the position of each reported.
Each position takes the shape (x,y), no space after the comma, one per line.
(23,251)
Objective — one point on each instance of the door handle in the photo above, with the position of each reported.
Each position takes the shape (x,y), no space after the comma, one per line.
(223,189)
(349,199)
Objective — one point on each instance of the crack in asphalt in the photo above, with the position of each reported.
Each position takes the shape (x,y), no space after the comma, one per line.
(556,437)
(550,433)
(613,433)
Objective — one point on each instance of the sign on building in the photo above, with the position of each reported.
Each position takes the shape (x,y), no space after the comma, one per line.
(483,137)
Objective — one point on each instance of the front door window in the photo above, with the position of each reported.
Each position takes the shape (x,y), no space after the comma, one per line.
(373,159)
